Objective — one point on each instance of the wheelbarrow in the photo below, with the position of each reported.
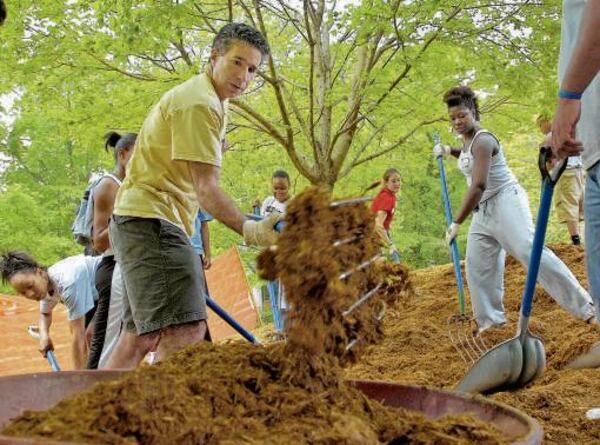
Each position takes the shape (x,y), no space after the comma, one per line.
(44,390)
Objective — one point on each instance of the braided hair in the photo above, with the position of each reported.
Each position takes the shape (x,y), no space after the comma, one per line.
(12,263)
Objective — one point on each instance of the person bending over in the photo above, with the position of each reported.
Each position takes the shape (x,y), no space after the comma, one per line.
(70,282)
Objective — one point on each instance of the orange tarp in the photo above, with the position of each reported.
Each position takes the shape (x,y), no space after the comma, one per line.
(228,286)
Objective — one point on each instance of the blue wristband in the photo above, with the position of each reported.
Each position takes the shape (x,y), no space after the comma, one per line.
(564,94)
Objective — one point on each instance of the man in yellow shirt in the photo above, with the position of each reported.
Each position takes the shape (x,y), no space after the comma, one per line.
(174,169)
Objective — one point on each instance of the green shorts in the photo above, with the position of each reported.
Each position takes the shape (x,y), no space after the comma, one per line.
(163,283)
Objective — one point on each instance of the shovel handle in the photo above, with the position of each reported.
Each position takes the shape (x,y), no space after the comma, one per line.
(52,360)
(544,158)
(549,180)
(453,244)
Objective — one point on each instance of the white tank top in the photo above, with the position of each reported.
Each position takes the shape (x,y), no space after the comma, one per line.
(499,175)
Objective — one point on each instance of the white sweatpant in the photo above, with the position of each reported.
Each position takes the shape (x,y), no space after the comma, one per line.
(503,224)
(115,313)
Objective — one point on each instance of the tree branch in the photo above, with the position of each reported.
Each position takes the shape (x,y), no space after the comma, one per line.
(401,141)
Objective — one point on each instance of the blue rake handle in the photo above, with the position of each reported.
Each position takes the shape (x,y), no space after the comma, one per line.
(230,321)
(228,318)
(549,180)
(453,244)
(52,360)
(272,286)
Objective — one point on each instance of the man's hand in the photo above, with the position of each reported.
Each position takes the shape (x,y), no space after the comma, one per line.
(441,150)
(45,345)
(452,232)
(262,233)
(566,117)
(206,262)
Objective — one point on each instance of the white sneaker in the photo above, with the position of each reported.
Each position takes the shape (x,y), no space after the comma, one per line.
(593,414)
(34,331)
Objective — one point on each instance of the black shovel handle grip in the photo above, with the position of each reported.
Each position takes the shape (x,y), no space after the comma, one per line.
(551,176)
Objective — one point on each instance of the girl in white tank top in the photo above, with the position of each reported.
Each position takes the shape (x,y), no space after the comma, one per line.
(501,221)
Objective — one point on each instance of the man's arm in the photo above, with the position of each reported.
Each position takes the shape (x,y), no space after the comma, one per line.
(585,62)
(78,345)
(104,201)
(212,197)
(44,326)
(205,235)
(583,67)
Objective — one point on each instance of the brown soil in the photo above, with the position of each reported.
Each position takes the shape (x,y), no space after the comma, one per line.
(289,392)
(237,393)
(417,349)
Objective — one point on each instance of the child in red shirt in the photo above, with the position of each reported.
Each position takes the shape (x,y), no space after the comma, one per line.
(383,206)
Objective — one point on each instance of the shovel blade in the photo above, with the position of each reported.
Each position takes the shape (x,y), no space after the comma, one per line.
(498,368)
(588,360)
(534,359)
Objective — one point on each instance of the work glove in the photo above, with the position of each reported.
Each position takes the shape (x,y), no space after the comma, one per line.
(441,150)
(451,232)
(262,233)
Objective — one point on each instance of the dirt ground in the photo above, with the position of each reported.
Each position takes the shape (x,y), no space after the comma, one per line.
(416,349)
(18,350)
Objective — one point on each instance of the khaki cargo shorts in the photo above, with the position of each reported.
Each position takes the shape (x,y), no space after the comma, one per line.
(163,283)
(568,196)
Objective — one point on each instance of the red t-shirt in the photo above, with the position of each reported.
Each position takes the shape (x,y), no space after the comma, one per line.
(385,201)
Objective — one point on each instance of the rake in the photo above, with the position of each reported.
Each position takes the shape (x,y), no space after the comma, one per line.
(460,328)
(370,293)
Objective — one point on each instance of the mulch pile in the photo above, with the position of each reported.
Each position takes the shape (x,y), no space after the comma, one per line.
(417,349)
(289,392)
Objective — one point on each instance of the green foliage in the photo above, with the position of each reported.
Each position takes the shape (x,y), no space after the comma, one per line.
(78,69)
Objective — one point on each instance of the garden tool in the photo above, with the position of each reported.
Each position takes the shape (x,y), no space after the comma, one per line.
(52,360)
(34,331)
(518,361)
(274,287)
(453,244)
(212,304)
(365,264)
(460,327)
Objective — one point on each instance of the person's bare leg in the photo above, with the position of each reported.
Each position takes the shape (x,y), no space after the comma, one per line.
(178,337)
(131,349)
(573,228)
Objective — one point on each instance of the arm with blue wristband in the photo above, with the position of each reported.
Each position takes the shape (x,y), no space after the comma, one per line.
(583,67)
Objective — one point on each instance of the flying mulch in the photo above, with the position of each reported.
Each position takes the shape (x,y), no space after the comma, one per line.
(284,392)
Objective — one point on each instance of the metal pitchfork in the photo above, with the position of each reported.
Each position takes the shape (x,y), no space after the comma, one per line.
(369,294)
(459,326)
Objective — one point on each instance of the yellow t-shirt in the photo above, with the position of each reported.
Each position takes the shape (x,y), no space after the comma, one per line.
(187,124)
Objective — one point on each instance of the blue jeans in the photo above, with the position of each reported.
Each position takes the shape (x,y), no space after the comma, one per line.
(592,232)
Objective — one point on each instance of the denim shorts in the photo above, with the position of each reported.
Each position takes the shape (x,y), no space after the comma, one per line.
(163,285)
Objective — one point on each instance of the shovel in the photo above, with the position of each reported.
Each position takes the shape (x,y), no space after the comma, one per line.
(52,360)
(518,361)
(33,330)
